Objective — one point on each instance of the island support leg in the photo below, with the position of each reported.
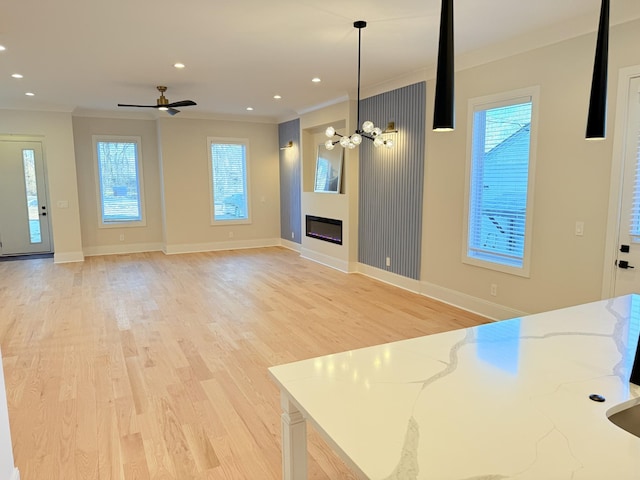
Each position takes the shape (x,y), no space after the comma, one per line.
(294,441)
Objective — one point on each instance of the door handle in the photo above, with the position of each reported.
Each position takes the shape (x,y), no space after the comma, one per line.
(624,264)
(44,214)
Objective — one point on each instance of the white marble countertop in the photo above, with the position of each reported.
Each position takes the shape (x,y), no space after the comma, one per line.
(504,400)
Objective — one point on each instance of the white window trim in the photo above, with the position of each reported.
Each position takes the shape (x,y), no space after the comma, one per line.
(229,140)
(123,139)
(494,101)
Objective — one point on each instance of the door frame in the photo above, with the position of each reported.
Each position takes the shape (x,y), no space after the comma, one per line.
(617,169)
(39,139)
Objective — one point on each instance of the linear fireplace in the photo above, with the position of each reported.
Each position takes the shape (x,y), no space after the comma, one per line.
(327,229)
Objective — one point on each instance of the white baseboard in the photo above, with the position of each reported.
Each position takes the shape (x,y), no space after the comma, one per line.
(122,249)
(326,260)
(390,278)
(296,247)
(457,299)
(470,303)
(68,257)
(215,246)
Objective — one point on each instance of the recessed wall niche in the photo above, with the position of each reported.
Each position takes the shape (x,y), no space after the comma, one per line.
(311,139)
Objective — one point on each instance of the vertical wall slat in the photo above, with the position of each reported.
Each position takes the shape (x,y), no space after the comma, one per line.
(392,181)
(290,182)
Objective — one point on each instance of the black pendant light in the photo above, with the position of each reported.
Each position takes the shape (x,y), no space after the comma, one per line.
(597,119)
(444,105)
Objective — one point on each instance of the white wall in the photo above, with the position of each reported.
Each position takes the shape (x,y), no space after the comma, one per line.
(57,137)
(571,182)
(185,190)
(343,206)
(96,240)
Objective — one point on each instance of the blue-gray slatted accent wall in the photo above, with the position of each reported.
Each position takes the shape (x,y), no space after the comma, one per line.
(391,183)
(290,187)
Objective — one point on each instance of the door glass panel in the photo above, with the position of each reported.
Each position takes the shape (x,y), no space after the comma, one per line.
(31,189)
(634,224)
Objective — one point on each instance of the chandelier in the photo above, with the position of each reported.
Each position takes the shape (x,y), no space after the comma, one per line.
(368,130)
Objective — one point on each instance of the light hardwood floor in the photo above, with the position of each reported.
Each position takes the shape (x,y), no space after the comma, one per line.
(149,366)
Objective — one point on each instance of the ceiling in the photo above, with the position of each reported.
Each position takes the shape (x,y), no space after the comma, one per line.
(88,56)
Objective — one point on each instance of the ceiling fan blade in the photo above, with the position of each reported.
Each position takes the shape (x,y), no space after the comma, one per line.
(139,106)
(172,111)
(181,103)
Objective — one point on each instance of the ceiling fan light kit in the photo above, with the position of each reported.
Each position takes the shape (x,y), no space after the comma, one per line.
(162,103)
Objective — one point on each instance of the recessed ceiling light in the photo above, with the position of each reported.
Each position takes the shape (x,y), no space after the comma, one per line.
(178,65)
(2,48)
(277,97)
(250,108)
(16,75)
(316,80)
(30,94)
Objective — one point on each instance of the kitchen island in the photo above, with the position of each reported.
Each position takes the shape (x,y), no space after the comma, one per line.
(509,399)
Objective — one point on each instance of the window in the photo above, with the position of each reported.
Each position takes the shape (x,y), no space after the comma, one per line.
(119,175)
(229,180)
(499,169)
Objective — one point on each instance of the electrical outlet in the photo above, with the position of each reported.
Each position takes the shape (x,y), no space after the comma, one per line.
(388,262)
(122,237)
(293,236)
(230,234)
(494,290)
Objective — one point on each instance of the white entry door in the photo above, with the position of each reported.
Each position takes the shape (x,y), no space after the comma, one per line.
(24,214)
(627,277)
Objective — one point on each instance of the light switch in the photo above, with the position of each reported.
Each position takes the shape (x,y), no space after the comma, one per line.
(63,203)
(579,229)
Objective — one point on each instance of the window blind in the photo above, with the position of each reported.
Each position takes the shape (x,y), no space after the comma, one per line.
(229,170)
(499,183)
(119,182)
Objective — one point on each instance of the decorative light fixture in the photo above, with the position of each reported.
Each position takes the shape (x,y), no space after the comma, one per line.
(391,128)
(288,145)
(597,118)
(444,106)
(369,130)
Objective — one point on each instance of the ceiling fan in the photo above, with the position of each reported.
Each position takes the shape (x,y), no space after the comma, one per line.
(163,103)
